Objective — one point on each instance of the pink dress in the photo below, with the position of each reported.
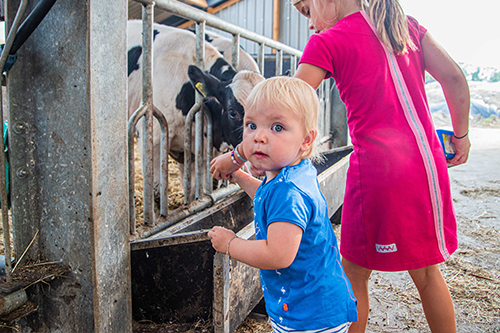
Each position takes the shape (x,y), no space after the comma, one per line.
(398,212)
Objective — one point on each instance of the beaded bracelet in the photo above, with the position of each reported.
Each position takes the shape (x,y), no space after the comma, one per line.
(229,242)
(461,137)
(234,160)
(238,154)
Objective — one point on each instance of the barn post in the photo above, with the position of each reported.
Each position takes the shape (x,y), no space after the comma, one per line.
(68,153)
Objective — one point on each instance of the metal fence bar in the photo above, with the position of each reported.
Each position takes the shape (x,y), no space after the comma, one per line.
(293,65)
(260,57)
(187,150)
(200,63)
(235,55)
(208,153)
(147,98)
(148,112)
(279,62)
(132,122)
(164,149)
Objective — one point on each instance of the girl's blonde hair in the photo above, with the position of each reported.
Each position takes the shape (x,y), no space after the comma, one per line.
(289,93)
(389,20)
(391,24)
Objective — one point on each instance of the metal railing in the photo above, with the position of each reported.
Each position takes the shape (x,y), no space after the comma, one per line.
(203,192)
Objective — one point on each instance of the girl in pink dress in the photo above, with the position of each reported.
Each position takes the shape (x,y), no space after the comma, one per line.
(398,212)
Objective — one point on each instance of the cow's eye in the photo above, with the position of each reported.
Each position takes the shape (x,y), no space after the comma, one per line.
(232,114)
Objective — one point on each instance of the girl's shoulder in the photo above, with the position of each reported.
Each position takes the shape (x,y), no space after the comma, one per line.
(353,23)
(415,27)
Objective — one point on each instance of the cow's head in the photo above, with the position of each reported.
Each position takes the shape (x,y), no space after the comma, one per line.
(227,109)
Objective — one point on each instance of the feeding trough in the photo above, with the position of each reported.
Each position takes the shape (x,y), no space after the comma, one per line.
(178,277)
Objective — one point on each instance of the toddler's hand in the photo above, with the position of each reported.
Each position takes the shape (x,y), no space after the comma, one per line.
(220,237)
(222,167)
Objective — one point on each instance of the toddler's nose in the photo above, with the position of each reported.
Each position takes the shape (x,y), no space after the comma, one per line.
(259,137)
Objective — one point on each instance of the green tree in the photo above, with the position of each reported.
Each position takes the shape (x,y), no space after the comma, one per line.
(475,75)
(495,77)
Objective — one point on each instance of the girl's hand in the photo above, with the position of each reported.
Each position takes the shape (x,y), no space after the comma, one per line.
(462,148)
(220,237)
(222,167)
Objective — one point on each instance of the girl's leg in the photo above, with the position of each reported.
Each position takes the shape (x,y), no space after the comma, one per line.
(359,280)
(436,299)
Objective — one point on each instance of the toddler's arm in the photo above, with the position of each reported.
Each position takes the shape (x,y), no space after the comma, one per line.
(456,91)
(248,183)
(278,251)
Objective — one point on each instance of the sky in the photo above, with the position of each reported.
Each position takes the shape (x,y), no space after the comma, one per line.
(468,30)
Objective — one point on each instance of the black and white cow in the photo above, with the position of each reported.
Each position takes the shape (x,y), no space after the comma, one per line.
(225,47)
(174,76)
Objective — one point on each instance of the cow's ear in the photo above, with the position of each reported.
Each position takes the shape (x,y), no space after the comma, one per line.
(185,98)
(205,83)
(222,70)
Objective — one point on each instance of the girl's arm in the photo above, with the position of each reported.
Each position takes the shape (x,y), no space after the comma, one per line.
(313,75)
(248,183)
(456,91)
(278,251)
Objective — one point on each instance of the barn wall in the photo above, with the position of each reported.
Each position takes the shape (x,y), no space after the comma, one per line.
(257,16)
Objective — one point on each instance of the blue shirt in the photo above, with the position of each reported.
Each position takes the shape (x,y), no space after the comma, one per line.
(313,292)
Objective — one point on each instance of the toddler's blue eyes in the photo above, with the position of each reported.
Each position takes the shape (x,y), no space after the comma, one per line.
(277,128)
(252,126)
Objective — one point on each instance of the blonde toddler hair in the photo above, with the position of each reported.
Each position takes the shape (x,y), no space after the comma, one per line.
(289,93)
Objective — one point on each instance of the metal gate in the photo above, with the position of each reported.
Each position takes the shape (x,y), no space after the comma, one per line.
(204,195)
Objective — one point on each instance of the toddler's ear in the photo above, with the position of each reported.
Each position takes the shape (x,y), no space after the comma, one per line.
(309,140)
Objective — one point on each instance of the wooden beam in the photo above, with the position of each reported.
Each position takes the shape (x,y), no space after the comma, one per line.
(276,21)
(210,10)
(213,10)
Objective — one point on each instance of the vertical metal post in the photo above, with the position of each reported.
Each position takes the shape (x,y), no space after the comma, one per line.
(208,152)
(147,100)
(235,55)
(328,112)
(222,276)
(279,62)
(321,124)
(3,176)
(67,99)
(260,58)
(293,65)
(200,62)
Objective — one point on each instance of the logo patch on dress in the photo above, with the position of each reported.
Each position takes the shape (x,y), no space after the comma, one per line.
(386,248)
